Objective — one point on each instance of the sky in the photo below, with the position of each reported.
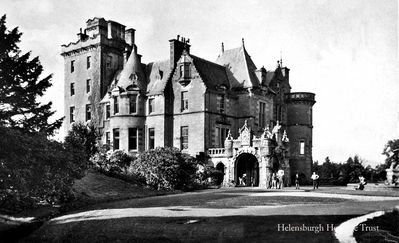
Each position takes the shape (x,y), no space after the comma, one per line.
(344,51)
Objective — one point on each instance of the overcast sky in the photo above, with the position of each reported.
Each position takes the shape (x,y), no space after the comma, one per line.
(345,51)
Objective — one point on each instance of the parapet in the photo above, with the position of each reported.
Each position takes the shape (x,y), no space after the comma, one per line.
(300,97)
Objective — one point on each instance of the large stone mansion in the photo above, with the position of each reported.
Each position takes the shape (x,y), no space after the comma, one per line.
(242,119)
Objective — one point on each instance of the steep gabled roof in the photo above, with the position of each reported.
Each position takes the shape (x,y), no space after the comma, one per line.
(240,67)
(212,74)
(158,74)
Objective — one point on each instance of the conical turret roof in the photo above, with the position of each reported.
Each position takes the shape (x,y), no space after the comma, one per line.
(132,74)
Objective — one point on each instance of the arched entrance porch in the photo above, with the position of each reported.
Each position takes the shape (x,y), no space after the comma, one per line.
(246,170)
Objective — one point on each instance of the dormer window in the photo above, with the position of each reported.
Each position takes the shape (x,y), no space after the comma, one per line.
(133,104)
(184,72)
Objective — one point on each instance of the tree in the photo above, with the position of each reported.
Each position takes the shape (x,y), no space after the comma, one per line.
(20,86)
(388,151)
(82,136)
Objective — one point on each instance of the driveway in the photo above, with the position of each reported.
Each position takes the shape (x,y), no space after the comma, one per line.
(224,215)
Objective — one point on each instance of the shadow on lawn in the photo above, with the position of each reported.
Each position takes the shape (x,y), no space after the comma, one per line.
(192,229)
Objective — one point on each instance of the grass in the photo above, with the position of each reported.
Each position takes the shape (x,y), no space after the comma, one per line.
(380,229)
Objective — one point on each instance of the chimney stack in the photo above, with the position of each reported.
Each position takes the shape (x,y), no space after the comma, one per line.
(129,36)
(176,49)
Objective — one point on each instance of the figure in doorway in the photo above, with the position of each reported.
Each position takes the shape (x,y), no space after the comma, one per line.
(244,179)
(315,178)
(297,181)
(280,177)
(274,181)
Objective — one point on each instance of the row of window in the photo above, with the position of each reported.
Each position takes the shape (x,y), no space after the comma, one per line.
(88,87)
(108,63)
(133,137)
(72,113)
(220,102)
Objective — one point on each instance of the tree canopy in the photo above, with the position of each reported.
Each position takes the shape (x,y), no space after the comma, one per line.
(20,86)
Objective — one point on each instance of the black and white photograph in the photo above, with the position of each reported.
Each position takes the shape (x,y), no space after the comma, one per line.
(199,121)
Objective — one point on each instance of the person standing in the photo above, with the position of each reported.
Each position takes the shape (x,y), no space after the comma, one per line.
(315,178)
(296,181)
(274,181)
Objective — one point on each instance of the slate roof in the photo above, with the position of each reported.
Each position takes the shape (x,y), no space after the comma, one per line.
(132,73)
(240,68)
(211,73)
(158,74)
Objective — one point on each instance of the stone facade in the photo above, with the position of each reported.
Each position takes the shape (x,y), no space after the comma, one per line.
(190,103)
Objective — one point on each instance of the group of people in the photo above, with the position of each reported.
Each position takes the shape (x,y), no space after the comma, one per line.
(277,181)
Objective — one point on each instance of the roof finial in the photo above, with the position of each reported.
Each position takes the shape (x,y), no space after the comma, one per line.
(222,47)
(243,42)
(281,58)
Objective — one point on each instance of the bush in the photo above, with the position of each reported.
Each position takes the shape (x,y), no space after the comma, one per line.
(113,162)
(210,176)
(166,169)
(34,169)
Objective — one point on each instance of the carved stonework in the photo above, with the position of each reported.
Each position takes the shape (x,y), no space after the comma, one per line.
(245,135)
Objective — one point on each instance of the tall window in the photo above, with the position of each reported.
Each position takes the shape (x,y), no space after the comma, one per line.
(88,112)
(150,105)
(184,138)
(301,147)
(88,85)
(107,111)
(108,61)
(184,70)
(88,62)
(72,114)
(107,139)
(72,66)
(184,101)
(116,105)
(151,138)
(262,114)
(116,138)
(133,104)
(133,138)
(221,103)
(221,135)
(72,89)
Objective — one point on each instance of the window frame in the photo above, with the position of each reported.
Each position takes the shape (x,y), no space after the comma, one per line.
(88,62)
(115,138)
(151,138)
(302,147)
(88,85)
(184,138)
(262,114)
(72,89)
(221,100)
(116,105)
(72,114)
(107,111)
(151,107)
(134,98)
(184,101)
(88,112)
(72,66)
(133,136)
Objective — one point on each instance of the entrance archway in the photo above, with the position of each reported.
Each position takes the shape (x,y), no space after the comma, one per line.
(219,179)
(246,172)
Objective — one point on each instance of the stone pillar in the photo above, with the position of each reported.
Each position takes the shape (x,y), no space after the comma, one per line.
(268,171)
(287,172)
(262,173)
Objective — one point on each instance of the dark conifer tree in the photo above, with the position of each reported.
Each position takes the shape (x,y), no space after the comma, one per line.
(20,86)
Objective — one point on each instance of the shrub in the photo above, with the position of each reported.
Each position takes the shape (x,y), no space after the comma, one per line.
(166,169)
(34,169)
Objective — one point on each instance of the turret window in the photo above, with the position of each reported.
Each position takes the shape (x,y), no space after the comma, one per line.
(88,85)
(107,111)
(72,114)
(302,147)
(116,138)
(184,137)
(116,105)
(88,62)
(133,104)
(72,66)
(72,89)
